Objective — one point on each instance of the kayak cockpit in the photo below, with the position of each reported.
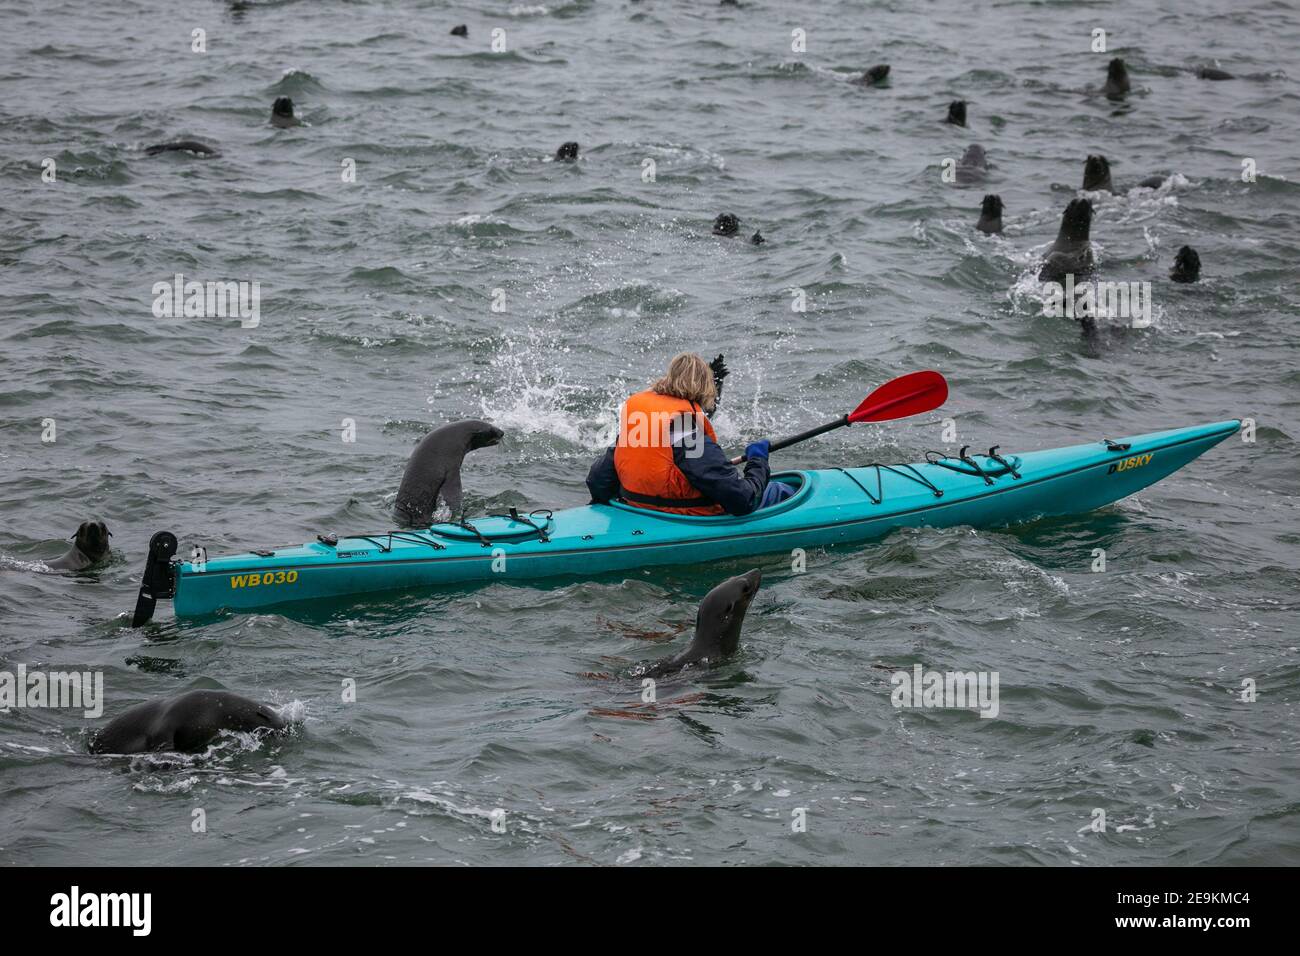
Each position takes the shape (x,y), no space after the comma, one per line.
(801,482)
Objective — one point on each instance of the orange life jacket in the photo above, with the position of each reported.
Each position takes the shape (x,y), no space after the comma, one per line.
(643,456)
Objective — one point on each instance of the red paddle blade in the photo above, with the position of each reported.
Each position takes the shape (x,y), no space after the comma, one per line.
(910,394)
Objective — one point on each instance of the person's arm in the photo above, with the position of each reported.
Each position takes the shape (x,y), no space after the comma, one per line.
(602,480)
(715,478)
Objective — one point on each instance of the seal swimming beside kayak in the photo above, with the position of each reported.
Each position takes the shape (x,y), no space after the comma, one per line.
(434,469)
(90,547)
(717,625)
(185,723)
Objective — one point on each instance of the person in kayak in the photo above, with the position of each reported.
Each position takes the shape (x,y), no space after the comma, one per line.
(667,456)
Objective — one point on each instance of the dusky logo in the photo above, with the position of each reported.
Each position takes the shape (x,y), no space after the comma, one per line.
(1128,464)
(208,300)
(77,909)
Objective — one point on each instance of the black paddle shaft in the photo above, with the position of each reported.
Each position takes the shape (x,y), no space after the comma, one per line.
(810,433)
(802,436)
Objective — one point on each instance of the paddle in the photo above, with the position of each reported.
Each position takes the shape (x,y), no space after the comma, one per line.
(902,397)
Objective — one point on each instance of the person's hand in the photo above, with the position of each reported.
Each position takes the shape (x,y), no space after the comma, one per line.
(720,371)
(758,449)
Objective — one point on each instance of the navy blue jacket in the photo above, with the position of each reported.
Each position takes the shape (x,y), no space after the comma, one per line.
(709,473)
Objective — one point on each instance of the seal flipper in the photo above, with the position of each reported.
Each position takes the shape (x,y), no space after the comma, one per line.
(453,494)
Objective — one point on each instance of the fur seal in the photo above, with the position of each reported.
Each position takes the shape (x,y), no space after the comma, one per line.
(717,625)
(973,165)
(568,152)
(1096,175)
(875,76)
(726,225)
(1117,83)
(957,113)
(182,145)
(434,469)
(282,113)
(990,215)
(1071,253)
(185,723)
(1213,73)
(90,547)
(460,31)
(1187,266)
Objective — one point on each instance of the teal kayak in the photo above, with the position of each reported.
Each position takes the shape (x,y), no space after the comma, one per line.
(829,507)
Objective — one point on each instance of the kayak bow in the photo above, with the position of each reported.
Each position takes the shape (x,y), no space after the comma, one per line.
(829,507)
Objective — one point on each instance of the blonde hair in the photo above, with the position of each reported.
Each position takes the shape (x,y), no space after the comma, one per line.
(689,377)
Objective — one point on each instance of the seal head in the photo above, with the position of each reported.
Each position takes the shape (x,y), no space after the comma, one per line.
(875,76)
(718,623)
(726,225)
(1117,83)
(990,215)
(90,546)
(973,165)
(1096,175)
(1187,266)
(1071,253)
(282,113)
(957,113)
